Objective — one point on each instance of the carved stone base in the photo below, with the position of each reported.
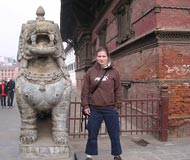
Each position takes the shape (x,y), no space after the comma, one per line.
(45,148)
(45,152)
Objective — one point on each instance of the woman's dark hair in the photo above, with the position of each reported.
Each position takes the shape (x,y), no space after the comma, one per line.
(103,49)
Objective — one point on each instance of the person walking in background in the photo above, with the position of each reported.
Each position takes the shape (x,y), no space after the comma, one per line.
(11,88)
(3,93)
(103,104)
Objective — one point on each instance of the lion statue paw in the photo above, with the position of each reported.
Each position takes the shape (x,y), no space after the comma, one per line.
(60,138)
(28,137)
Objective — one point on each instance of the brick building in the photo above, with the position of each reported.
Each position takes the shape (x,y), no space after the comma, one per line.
(148,40)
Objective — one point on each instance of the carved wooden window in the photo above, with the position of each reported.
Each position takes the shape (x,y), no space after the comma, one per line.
(82,54)
(122,14)
(94,48)
(101,32)
(102,38)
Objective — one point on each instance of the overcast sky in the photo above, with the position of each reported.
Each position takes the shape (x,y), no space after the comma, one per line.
(13,13)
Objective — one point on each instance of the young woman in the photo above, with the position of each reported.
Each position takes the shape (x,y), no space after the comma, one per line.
(104,103)
(3,93)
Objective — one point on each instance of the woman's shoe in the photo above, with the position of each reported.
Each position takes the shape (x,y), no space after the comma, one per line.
(117,158)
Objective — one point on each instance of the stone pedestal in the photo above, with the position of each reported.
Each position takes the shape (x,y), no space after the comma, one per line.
(44,148)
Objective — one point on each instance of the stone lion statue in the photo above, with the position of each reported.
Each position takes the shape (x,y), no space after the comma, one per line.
(43,84)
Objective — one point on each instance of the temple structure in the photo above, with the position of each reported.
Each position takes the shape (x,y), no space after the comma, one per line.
(148,40)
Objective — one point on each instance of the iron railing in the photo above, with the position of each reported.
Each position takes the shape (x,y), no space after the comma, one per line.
(137,116)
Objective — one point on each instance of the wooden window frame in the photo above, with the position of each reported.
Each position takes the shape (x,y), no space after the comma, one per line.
(122,13)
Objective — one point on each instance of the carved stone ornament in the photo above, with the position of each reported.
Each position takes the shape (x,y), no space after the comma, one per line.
(43,85)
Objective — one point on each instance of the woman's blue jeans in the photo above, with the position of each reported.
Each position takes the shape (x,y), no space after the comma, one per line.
(111,119)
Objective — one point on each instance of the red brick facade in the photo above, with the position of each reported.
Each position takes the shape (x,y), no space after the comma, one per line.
(154,49)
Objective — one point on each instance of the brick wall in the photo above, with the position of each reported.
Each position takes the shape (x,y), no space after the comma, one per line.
(159,60)
(175,67)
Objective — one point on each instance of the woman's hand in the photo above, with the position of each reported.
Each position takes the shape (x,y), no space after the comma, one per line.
(87,111)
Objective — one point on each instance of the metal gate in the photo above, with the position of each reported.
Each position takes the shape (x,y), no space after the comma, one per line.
(137,116)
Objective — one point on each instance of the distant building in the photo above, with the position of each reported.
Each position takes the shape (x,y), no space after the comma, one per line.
(7,71)
(9,61)
(70,62)
(8,68)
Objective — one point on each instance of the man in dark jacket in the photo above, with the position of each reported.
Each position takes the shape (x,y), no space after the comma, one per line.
(11,88)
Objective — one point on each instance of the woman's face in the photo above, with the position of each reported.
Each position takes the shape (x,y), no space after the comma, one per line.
(102,58)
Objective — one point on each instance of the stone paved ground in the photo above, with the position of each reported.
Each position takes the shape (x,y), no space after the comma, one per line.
(174,149)
(9,132)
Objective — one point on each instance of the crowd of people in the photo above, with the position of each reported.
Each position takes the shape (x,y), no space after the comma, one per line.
(7,89)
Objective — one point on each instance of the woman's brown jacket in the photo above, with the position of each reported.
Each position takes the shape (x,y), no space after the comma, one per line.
(108,93)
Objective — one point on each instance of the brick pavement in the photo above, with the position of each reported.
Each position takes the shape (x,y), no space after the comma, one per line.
(174,149)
